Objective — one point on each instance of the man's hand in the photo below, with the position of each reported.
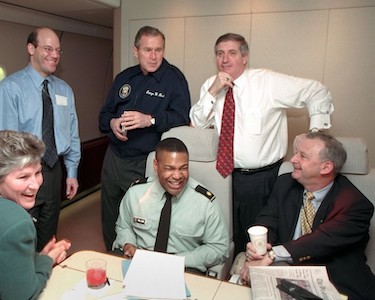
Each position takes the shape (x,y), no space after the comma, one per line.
(253,259)
(116,126)
(223,80)
(129,250)
(135,119)
(71,187)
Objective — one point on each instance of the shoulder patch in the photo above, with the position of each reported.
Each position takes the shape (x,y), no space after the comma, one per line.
(139,181)
(200,189)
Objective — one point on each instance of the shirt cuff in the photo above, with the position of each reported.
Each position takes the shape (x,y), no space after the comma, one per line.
(320,121)
(282,254)
(71,172)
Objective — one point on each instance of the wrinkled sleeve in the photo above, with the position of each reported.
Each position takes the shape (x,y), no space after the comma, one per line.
(24,272)
(293,92)
(73,156)
(124,231)
(202,113)
(177,113)
(214,248)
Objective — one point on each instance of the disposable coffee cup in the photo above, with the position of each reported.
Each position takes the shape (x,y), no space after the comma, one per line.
(258,237)
(96,275)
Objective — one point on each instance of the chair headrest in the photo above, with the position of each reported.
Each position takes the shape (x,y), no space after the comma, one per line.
(357,155)
(201,143)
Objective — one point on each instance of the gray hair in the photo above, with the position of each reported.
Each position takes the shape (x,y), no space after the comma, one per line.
(244,47)
(17,150)
(333,151)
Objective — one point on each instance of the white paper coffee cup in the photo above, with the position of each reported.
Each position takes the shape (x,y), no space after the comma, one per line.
(258,237)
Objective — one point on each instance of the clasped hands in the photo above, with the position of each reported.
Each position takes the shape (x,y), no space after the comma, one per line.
(56,250)
(131,120)
(253,259)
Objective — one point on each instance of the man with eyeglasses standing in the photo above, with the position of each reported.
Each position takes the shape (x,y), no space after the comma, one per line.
(35,100)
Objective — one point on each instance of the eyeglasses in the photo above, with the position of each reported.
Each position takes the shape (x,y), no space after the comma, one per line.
(49,49)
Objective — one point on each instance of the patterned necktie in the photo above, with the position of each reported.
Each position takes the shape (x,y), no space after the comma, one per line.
(50,156)
(308,213)
(162,236)
(225,162)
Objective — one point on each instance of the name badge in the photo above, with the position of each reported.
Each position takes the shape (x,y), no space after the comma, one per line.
(61,100)
(139,220)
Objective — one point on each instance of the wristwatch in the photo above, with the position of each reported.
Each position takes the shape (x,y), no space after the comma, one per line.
(271,255)
(152,121)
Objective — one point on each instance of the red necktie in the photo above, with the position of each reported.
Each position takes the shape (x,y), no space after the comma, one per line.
(224,162)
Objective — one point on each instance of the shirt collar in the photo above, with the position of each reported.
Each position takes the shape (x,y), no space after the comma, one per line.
(241,81)
(320,194)
(158,74)
(35,76)
(160,191)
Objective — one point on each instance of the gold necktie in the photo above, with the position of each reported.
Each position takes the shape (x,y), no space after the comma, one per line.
(308,213)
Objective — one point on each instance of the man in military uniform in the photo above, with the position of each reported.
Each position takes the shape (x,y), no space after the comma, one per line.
(197,227)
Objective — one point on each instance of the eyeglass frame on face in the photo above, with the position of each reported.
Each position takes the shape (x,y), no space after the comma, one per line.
(49,49)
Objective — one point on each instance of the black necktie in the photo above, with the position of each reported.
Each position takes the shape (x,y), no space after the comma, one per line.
(161,242)
(50,156)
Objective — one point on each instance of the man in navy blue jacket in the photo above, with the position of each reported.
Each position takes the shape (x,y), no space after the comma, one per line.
(339,231)
(145,101)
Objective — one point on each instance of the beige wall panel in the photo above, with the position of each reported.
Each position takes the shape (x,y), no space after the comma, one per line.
(173,30)
(350,73)
(293,43)
(146,9)
(290,42)
(201,35)
(294,5)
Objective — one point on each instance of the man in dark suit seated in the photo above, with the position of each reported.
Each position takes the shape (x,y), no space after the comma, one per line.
(337,234)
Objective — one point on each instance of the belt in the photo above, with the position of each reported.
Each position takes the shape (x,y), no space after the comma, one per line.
(252,171)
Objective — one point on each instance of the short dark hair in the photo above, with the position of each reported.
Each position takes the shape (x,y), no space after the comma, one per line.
(148,31)
(333,150)
(171,145)
(244,47)
(33,36)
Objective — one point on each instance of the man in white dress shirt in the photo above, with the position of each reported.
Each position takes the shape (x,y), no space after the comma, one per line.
(260,129)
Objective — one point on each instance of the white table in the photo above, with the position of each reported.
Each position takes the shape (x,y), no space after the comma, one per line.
(72,271)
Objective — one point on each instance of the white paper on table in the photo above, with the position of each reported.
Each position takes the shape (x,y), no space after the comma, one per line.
(155,275)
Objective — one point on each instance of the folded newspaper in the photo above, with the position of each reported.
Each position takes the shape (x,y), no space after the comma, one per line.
(264,281)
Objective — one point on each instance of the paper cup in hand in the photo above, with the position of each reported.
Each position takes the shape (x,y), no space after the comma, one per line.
(258,237)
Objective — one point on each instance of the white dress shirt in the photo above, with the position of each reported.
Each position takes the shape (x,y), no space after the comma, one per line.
(261,98)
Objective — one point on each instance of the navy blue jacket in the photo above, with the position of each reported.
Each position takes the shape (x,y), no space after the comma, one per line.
(163,94)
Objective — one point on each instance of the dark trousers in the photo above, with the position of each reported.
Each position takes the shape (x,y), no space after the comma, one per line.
(47,205)
(116,177)
(250,193)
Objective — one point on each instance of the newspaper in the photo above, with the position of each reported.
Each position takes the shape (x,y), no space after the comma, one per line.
(312,278)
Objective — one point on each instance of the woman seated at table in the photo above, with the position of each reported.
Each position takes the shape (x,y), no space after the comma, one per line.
(23,272)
